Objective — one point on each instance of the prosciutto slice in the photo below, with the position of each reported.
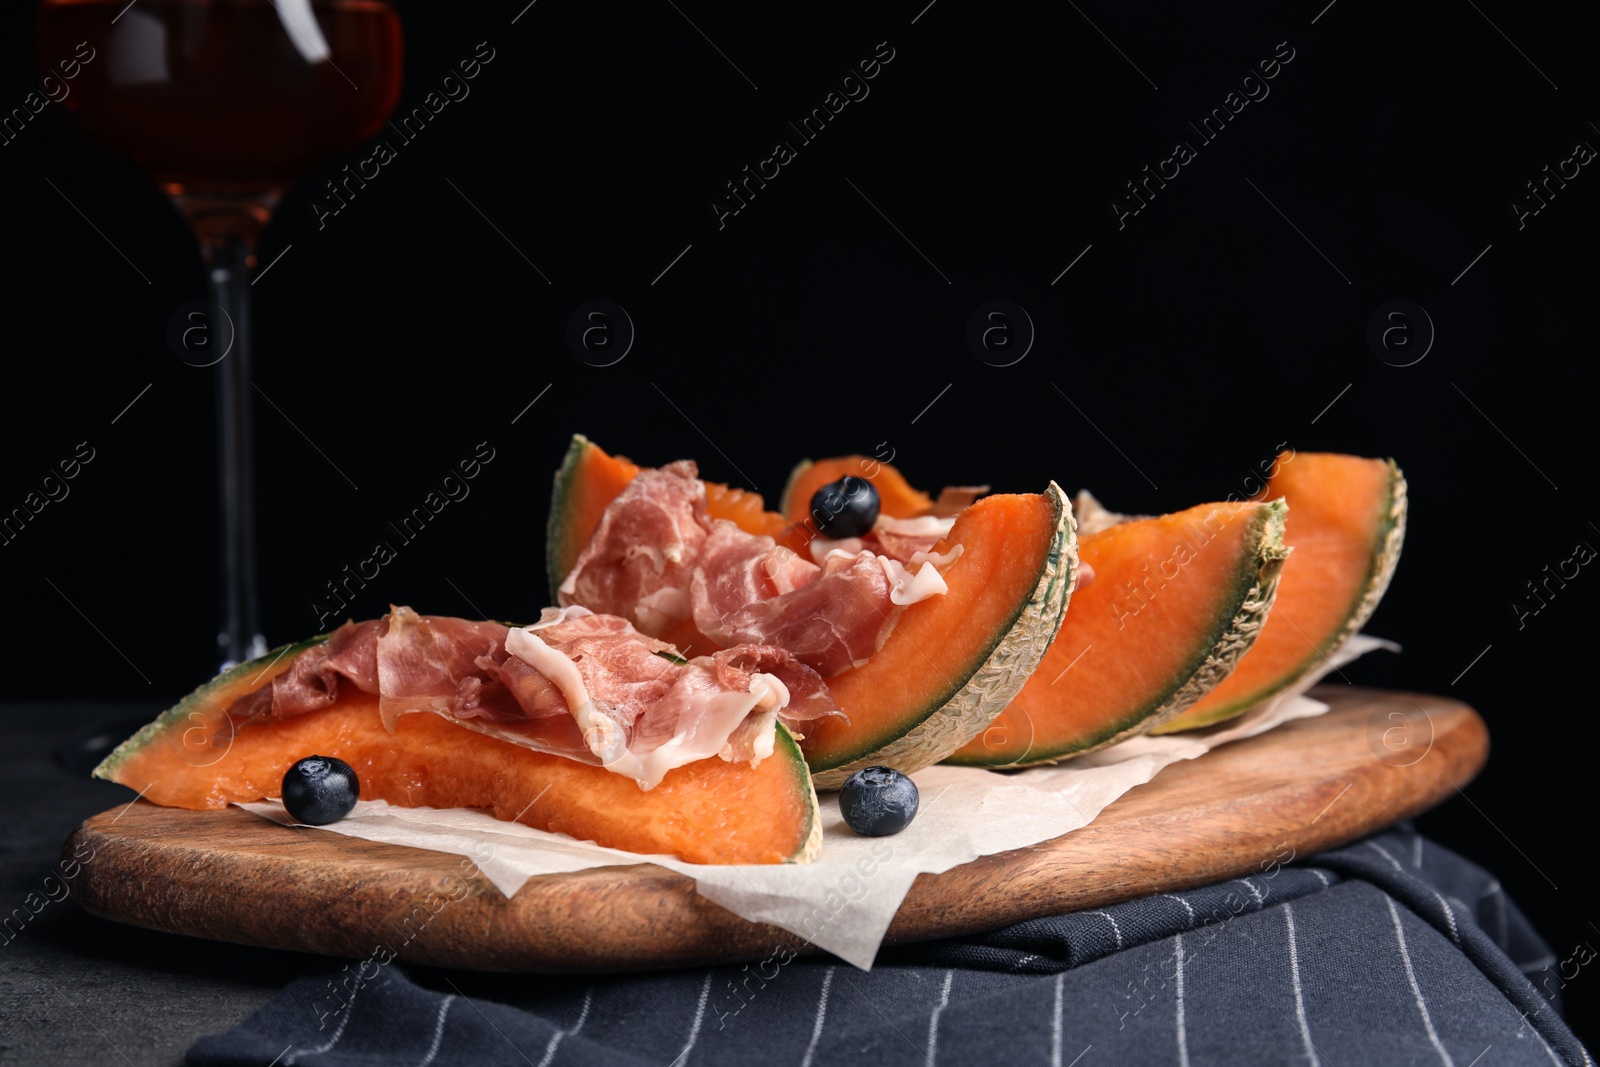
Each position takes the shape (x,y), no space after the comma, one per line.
(312,681)
(642,711)
(901,539)
(586,686)
(642,554)
(430,663)
(809,698)
(734,569)
(830,624)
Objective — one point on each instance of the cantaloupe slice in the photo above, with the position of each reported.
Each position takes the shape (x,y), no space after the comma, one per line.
(709,811)
(1176,601)
(952,661)
(1347,521)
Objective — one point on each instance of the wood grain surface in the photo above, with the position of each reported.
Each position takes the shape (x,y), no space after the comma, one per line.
(1311,784)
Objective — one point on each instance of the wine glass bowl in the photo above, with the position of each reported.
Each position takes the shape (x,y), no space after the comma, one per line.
(225,103)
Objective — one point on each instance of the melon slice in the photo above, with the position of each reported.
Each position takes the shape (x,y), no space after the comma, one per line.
(1347,520)
(1176,601)
(710,811)
(951,663)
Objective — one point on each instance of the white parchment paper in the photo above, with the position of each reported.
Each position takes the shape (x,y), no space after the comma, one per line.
(844,900)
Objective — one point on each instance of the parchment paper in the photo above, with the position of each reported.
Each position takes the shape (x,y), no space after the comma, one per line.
(844,900)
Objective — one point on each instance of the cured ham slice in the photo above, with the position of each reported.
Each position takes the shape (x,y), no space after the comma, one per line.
(586,686)
(642,711)
(900,539)
(430,663)
(809,698)
(735,568)
(643,552)
(834,621)
(830,624)
(312,680)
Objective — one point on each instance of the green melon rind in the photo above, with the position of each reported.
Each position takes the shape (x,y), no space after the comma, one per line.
(790,750)
(555,531)
(1237,626)
(981,694)
(199,702)
(1390,540)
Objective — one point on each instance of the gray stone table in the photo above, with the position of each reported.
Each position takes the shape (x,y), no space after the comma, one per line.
(75,988)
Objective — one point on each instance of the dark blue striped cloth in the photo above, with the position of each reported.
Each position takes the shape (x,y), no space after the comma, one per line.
(1390,950)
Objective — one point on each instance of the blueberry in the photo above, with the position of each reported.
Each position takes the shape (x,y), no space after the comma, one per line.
(845,508)
(320,789)
(878,801)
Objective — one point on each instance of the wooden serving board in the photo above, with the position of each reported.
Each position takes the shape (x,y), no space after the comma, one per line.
(1308,785)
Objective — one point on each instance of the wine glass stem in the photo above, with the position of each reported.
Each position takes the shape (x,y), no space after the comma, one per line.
(228,266)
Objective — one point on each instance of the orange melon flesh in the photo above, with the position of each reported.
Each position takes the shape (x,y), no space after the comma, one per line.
(745,509)
(940,643)
(709,811)
(1341,514)
(590,479)
(1166,592)
(896,498)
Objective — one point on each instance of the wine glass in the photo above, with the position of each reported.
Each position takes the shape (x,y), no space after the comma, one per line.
(225,103)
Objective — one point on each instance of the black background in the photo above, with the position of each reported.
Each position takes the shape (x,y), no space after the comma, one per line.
(409,327)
